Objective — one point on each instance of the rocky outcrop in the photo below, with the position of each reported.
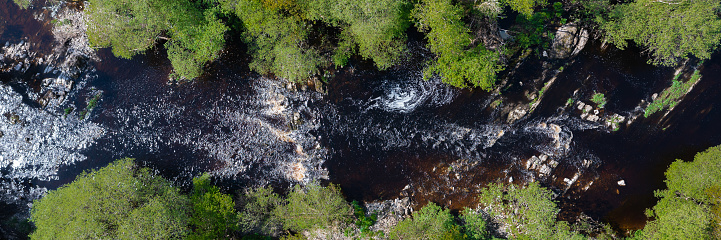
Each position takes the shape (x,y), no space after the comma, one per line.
(35,142)
(541,164)
(569,41)
(390,212)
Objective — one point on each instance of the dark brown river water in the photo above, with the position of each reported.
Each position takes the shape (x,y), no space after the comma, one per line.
(388,134)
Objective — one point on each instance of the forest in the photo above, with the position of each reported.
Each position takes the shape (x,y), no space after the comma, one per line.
(469,46)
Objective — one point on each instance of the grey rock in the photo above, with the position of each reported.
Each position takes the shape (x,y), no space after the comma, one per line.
(569,41)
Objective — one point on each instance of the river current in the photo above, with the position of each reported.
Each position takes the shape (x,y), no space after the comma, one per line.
(379,134)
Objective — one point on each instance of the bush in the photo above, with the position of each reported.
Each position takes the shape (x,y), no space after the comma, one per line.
(599,99)
(670,96)
(194,35)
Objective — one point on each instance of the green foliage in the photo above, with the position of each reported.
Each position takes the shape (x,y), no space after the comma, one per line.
(672,95)
(120,201)
(376,27)
(213,214)
(255,211)
(532,30)
(277,38)
(589,11)
(24,4)
(528,212)
(312,207)
(599,99)
(669,30)
(475,225)
(91,105)
(195,36)
(431,222)
(524,7)
(676,218)
(457,62)
(688,208)
(692,179)
(569,101)
(363,222)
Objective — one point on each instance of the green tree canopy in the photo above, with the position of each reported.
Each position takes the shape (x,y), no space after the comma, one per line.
(194,35)
(431,222)
(524,7)
(313,206)
(670,30)
(256,208)
(688,209)
(376,27)
(277,38)
(214,216)
(529,212)
(457,62)
(120,201)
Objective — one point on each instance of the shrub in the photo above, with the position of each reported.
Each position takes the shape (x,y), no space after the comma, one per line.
(599,99)
(457,62)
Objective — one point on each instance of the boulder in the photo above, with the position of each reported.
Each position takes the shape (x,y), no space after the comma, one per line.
(569,41)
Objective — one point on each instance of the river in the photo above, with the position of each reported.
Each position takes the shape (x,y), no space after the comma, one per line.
(379,134)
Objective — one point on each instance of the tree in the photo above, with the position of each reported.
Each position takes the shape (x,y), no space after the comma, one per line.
(256,208)
(457,62)
(277,38)
(313,206)
(120,201)
(375,28)
(524,7)
(194,35)
(688,209)
(431,222)
(213,214)
(670,30)
(475,225)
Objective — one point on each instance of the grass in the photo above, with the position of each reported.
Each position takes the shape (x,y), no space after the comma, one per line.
(671,96)
(91,105)
(599,99)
